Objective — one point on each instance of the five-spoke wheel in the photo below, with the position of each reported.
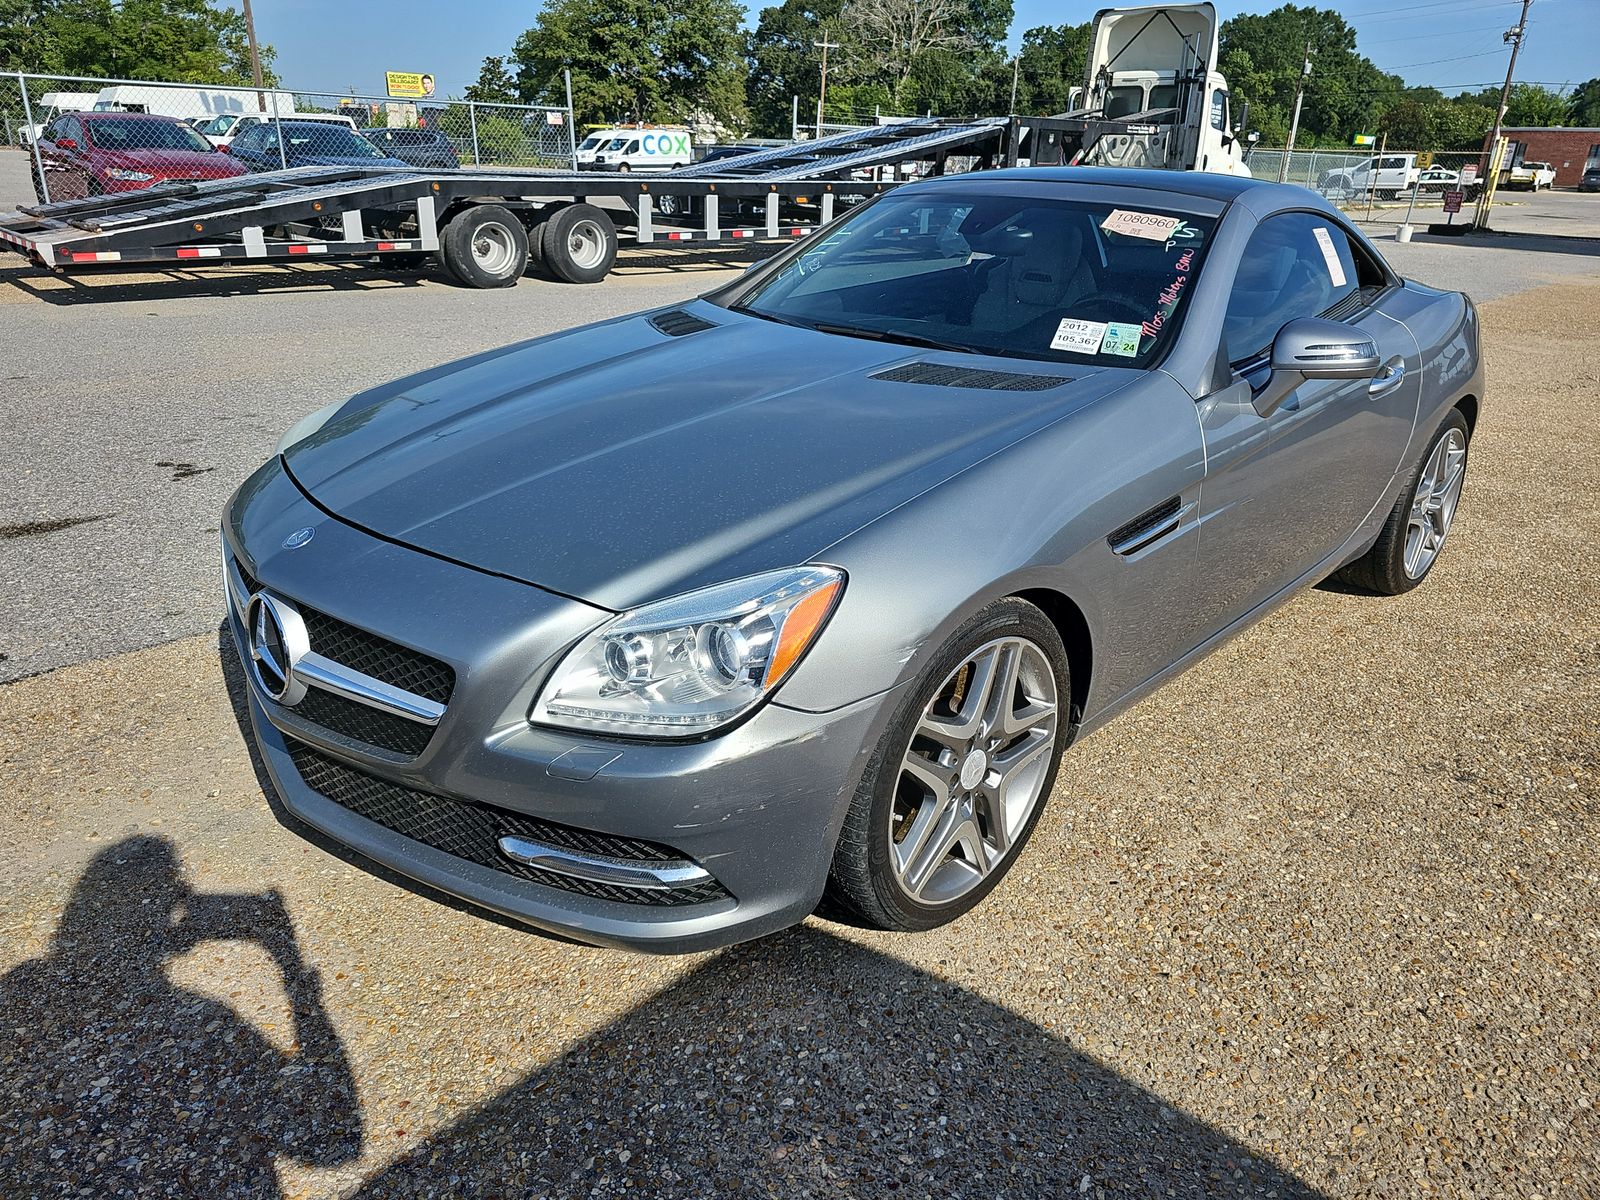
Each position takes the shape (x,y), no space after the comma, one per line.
(959,778)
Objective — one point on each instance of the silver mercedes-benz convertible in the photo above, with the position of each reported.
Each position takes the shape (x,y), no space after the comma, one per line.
(666,631)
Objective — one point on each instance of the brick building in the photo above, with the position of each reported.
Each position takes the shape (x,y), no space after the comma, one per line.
(1568,150)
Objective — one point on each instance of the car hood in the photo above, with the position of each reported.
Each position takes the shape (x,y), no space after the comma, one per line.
(619,464)
(171,162)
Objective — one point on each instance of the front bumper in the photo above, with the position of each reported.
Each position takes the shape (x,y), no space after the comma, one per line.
(756,810)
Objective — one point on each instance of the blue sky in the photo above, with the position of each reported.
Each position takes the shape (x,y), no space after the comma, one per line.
(348,46)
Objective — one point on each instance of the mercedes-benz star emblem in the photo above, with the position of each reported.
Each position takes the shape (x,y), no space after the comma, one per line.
(299,537)
(278,641)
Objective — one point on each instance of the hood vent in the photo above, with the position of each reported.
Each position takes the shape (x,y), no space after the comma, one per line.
(677,323)
(941,375)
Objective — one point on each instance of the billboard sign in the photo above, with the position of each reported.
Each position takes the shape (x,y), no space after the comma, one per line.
(409,85)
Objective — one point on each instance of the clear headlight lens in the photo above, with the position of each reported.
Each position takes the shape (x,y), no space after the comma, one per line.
(129,176)
(684,666)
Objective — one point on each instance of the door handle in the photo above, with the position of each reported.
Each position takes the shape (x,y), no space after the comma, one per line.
(1393,373)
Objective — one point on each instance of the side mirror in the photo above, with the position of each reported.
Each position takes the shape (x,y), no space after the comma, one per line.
(1312,348)
(66,144)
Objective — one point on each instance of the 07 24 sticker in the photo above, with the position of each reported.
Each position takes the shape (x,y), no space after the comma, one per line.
(1120,339)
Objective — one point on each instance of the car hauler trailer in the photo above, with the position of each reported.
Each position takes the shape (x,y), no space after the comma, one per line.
(1152,98)
(483,224)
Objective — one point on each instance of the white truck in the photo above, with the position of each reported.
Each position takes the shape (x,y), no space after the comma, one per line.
(51,105)
(1152,96)
(1381,177)
(1531,176)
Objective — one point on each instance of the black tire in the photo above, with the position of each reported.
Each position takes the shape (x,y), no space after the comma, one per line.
(1382,569)
(579,244)
(862,886)
(503,264)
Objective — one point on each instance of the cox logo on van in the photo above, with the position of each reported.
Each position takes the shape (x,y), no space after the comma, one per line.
(666,143)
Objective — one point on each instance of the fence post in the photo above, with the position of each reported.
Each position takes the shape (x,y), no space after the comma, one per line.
(33,138)
(472,120)
(572,121)
(277,124)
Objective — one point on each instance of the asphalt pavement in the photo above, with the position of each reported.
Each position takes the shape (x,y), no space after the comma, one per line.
(136,403)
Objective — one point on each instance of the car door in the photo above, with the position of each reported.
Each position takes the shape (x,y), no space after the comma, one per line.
(64,159)
(1285,492)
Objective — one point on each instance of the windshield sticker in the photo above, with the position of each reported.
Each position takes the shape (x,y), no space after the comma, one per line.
(1329,255)
(1183,233)
(1152,226)
(1078,337)
(1121,339)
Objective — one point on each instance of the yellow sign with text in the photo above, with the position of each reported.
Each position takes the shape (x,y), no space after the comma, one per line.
(409,84)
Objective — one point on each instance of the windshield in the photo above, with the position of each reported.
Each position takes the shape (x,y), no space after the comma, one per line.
(134,133)
(591,142)
(616,143)
(1003,275)
(327,141)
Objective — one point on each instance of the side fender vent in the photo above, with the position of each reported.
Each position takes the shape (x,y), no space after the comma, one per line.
(677,323)
(941,375)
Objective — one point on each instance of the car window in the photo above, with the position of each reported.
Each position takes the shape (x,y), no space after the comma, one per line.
(71,128)
(1122,101)
(1295,265)
(1010,276)
(145,133)
(252,139)
(326,140)
(633,147)
(1163,95)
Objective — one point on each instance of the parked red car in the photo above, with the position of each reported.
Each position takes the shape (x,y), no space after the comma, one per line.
(88,153)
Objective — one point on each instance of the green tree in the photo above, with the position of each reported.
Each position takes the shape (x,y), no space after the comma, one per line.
(929,54)
(1262,56)
(495,84)
(1053,60)
(784,62)
(1583,106)
(186,41)
(673,60)
(1531,104)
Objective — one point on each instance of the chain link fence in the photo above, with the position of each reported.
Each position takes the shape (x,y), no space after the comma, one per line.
(1395,187)
(89,137)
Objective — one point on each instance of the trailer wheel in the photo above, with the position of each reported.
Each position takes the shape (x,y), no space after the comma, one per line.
(485,246)
(580,244)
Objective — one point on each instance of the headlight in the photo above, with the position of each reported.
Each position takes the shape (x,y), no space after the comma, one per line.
(684,666)
(129,176)
(307,425)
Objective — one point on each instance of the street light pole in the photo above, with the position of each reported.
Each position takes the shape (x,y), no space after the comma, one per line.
(1294,125)
(255,54)
(1016,69)
(824,45)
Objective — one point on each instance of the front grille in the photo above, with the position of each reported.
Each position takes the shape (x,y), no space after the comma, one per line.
(471,831)
(363,723)
(940,375)
(399,666)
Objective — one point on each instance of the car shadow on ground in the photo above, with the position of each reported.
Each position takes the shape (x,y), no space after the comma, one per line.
(807,1064)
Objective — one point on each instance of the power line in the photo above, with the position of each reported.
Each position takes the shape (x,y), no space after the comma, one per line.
(1431,61)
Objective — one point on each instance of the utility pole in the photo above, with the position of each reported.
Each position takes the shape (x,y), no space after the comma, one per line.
(255,54)
(1513,36)
(1016,69)
(1294,125)
(824,45)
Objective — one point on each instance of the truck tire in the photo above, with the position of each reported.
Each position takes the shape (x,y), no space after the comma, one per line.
(579,244)
(485,246)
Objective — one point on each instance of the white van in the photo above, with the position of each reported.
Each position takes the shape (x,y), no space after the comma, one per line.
(221,130)
(51,105)
(636,148)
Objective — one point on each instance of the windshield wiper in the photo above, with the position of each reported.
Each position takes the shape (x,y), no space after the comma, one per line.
(893,335)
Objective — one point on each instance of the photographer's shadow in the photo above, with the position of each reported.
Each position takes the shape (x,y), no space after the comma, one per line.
(118,1081)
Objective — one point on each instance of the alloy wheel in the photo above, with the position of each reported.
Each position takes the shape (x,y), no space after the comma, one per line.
(1433,506)
(974,771)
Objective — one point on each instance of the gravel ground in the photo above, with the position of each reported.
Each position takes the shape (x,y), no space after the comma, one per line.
(1319,919)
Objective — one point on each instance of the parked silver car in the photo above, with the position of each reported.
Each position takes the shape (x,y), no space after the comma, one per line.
(662,631)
